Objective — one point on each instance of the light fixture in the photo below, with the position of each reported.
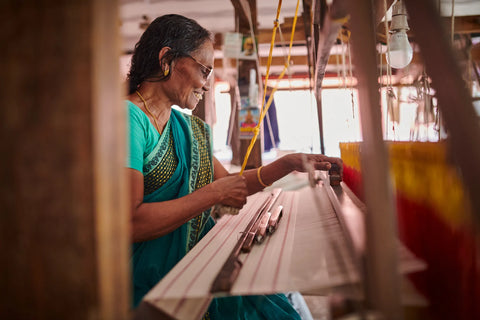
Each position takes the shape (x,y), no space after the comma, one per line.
(400,53)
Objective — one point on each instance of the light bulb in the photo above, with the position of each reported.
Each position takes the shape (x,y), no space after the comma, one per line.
(401,52)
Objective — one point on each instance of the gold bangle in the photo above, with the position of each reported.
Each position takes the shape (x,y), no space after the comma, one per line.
(260,179)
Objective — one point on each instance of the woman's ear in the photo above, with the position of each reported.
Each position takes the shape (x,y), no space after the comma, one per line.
(163,61)
(163,52)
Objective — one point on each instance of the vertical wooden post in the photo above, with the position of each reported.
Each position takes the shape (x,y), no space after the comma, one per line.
(255,159)
(382,279)
(234,132)
(63,222)
(111,212)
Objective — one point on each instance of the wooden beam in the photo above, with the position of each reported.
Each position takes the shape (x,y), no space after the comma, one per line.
(276,61)
(334,61)
(463,25)
(288,23)
(265,36)
(241,11)
(333,21)
(380,10)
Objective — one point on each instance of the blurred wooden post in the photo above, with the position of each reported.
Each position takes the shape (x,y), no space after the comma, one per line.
(255,159)
(64,232)
(382,278)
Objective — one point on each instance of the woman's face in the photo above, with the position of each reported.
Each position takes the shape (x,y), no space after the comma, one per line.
(190,77)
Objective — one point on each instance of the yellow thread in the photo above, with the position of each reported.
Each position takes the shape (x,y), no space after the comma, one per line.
(422,173)
(344,35)
(260,178)
(342,20)
(269,62)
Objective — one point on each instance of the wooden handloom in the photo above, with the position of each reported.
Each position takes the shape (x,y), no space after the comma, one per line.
(317,249)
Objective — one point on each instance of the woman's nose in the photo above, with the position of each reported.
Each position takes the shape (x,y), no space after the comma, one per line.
(207,85)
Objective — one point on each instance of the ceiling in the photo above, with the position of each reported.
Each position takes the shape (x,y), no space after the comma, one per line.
(215,15)
(218,17)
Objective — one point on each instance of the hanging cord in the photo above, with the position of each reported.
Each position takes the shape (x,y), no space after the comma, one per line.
(350,75)
(270,131)
(426,100)
(381,67)
(264,110)
(237,94)
(259,75)
(389,92)
(256,130)
(452,29)
(344,68)
(272,43)
(257,60)
(387,38)
(337,62)
(471,65)
(438,120)
(285,52)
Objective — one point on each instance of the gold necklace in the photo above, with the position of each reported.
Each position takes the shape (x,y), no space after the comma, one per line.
(148,110)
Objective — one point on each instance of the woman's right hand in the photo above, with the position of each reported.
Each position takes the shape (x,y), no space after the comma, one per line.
(232,190)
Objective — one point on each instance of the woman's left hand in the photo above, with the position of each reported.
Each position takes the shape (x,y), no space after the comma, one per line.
(298,162)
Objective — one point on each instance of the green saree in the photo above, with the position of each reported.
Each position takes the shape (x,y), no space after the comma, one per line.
(174,164)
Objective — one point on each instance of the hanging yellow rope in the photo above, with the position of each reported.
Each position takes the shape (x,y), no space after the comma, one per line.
(266,106)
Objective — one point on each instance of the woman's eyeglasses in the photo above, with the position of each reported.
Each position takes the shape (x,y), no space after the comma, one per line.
(207,71)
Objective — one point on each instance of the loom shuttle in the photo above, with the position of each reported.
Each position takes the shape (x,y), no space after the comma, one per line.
(275,219)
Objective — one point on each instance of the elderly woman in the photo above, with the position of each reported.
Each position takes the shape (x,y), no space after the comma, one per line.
(175,180)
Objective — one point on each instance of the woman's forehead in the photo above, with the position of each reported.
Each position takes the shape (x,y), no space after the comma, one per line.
(205,50)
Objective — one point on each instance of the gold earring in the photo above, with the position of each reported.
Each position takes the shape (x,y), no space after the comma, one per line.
(165,73)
